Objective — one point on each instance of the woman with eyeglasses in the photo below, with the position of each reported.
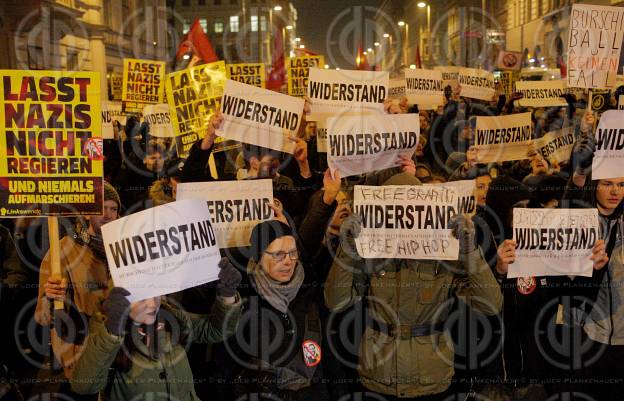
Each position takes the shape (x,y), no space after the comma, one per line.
(276,350)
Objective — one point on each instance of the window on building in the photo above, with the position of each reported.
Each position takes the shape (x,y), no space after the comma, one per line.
(204,24)
(263,23)
(218,26)
(72,60)
(186,26)
(234,23)
(254,23)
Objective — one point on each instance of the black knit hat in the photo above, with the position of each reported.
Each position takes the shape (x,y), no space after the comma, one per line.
(263,234)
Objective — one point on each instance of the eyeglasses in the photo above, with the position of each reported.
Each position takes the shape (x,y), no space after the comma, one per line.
(279,256)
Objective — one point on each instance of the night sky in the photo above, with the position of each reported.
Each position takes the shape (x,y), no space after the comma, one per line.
(345,19)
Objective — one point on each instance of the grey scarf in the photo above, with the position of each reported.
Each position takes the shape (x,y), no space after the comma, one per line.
(277,294)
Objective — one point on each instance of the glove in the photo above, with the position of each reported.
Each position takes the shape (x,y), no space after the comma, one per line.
(116,308)
(229,279)
(464,230)
(349,230)
(583,154)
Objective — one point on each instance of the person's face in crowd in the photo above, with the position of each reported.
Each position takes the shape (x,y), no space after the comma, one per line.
(465,132)
(145,311)
(609,194)
(310,129)
(538,165)
(111,212)
(280,259)
(420,146)
(154,162)
(422,172)
(471,155)
(424,122)
(342,211)
(268,166)
(482,184)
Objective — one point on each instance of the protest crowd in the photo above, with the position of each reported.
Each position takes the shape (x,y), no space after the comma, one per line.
(447,241)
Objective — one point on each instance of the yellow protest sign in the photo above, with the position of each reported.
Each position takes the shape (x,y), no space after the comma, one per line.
(51,143)
(298,70)
(116,83)
(248,73)
(142,83)
(193,96)
(505,80)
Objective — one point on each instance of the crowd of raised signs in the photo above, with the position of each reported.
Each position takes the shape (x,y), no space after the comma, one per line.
(446,256)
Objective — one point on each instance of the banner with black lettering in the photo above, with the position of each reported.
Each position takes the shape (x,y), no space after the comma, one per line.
(557,145)
(396,88)
(111,112)
(503,138)
(333,92)
(476,84)
(554,242)
(321,139)
(142,83)
(235,207)
(193,95)
(51,148)
(449,72)
(406,221)
(259,116)
(358,145)
(247,73)
(424,87)
(159,119)
(465,190)
(541,93)
(609,155)
(594,45)
(298,72)
(162,250)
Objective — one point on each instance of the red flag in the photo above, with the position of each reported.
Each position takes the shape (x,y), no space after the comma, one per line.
(277,75)
(196,41)
(360,61)
(304,52)
(562,66)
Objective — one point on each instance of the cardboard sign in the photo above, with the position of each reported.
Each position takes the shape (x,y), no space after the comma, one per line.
(193,96)
(116,85)
(235,207)
(51,143)
(424,87)
(332,92)
(142,83)
(609,155)
(476,84)
(111,112)
(554,242)
(247,73)
(159,119)
(358,145)
(509,60)
(259,116)
(503,138)
(396,88)
(594,45)
(557,145)
(298,70)
(406,222)
(161,250)
(541,93)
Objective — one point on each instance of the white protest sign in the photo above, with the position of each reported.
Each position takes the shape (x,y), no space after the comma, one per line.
(159,119)
(594,45)
(465,190)
(396,88)
(557,145)
(406,221)
(321,139)
(476,84)
(621,102)
(541,93)
(503,138)
(362,144)
(259,116)
(111,111)
(336,92)
(162,250)
(235,207)
(424,87)
(449,73)
(609,155)
(553,242)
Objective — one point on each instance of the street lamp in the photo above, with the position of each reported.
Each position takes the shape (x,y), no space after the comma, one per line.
(376,44)
(302,46)
(386,35)
(297,40)
(288,27)
(369,50)
(401,23)
(277,8)
(326,66)
(421,4)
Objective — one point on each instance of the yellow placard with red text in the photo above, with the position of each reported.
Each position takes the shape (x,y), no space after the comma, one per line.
(298,70)
(248,73)
(51,143)
(143,83)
